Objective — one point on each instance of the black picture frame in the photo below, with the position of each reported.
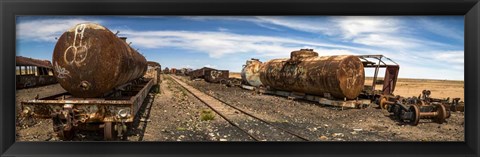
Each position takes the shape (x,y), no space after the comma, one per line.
(10,8)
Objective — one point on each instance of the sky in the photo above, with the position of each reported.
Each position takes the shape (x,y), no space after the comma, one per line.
(427,47)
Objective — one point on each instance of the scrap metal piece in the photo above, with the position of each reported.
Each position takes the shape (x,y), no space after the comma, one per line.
(412,113)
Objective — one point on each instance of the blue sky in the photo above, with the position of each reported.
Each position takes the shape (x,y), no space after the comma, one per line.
(429,47)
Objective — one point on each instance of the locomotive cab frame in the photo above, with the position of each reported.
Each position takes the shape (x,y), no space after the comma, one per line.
(389,81)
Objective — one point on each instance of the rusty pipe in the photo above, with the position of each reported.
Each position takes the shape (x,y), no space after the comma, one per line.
(428,114)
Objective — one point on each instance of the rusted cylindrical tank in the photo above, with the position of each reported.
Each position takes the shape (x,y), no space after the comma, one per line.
(305,72)
(251,72)
(89,61)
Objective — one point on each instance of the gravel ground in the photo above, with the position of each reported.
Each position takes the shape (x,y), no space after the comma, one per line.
(35,129)
(326,123)
(172,115)
(176,115)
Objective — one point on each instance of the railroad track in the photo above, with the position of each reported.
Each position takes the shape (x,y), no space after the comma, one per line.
(244,121)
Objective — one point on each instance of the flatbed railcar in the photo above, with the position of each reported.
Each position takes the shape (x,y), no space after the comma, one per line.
(113,113)
(106,83)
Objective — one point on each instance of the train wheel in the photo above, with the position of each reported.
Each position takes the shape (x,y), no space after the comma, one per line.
(223,82)
(125,132)
(442,114)
(382,102)
(66,135)
(422,103)
(62,134)
(453,108)
(109,132)
(416,114)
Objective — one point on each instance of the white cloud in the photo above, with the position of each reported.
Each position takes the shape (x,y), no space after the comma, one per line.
(381,40)
(354,26)
(441,29)
(456,57)
(221,29)
(210,66)
(218,44)
(46,29)
(383,32)
(187,66)
(312,25)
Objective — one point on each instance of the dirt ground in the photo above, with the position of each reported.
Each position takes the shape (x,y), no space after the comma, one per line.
(329,123)
(176,115)
(408,87)
(439,88)
(171,115)
(235,75)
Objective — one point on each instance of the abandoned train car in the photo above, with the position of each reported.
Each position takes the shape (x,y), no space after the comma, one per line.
(98,96)
(199,73)
(216,76)
(33,72)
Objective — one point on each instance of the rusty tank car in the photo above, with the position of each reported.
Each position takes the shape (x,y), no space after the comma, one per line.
(251,72)
(89,61)
(340,77)
(106,83)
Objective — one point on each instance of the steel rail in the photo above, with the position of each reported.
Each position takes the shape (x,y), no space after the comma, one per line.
(242,111)
(218,112)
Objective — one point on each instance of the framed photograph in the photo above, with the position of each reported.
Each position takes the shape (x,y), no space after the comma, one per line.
(263,78)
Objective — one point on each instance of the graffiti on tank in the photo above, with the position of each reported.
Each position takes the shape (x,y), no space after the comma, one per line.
(289,74)
(215,74)
(61,72)
(77,52)
(352,75)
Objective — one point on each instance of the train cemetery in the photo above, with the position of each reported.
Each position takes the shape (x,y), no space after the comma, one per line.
(303,98)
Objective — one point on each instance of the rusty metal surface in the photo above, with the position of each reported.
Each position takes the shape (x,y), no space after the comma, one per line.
(251,72)
(26,81)
(216,76)
(337,76)
(166,71)
(24,61)
(89,61)
(173,71)
(424,99)
(361,103)
(153,72)
(183,71)
(153,64)
(188,71)
(390,79)
(391,73)
(91,109)
(413,113)
(199,73)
